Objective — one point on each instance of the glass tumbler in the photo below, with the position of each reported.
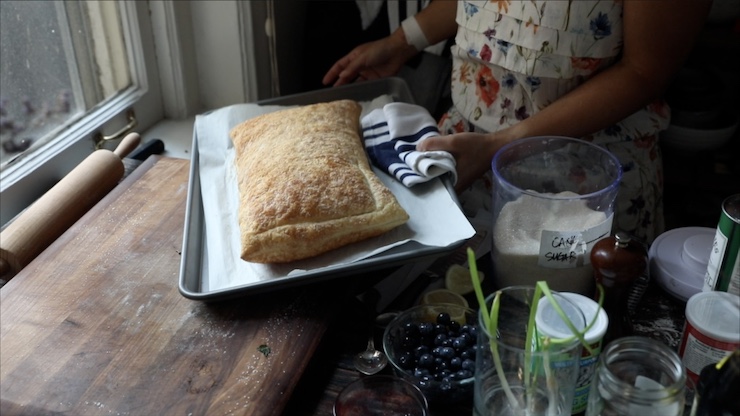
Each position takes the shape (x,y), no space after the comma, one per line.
(381,395)
(638,376)
(553,198)
(520,375)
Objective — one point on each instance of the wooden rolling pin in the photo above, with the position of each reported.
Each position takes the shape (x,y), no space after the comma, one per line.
(61,206)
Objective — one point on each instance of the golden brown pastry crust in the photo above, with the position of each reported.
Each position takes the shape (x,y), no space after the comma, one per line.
(305,184)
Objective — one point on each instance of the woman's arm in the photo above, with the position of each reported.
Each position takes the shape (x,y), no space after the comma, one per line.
(437,20)
(385,57)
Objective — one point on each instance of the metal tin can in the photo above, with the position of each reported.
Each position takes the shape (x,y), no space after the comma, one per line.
(723,269)
(711,330)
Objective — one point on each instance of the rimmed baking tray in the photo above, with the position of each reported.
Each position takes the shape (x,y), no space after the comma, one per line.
(194,267)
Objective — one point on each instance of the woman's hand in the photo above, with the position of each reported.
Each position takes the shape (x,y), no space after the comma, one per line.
(385,57)
(372,60)
(473,153)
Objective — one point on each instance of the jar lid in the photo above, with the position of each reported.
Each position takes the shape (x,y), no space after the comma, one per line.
(716,314)
(549,322)
(590,309)
(678,260)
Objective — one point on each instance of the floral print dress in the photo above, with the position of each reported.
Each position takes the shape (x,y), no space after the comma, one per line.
(513,58)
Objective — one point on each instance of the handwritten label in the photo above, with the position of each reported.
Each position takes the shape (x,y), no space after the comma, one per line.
(570,249)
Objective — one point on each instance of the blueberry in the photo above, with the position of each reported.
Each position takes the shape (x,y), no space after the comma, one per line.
(439,339)
(454,326)
(446,384)
(459,343)
(421,372)
(426,381)
(468,354)
(441,374)
(426,328)
(443,318)
(447,353)
(438,362)
(463,374)
(468,364)
(473,332)
(421,349)
(455,363)
(426,361)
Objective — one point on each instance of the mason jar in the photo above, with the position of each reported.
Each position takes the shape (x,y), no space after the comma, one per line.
(638,376)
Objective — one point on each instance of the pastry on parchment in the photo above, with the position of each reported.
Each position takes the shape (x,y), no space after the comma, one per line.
(305,184)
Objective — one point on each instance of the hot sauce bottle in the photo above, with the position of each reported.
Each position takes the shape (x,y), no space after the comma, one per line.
(618,261)
(716,390)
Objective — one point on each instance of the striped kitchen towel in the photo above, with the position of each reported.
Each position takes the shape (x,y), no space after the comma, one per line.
(391,134)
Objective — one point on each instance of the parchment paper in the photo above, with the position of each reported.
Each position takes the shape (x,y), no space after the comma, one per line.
(435,218)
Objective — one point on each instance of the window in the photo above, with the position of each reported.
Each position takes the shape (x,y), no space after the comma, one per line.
(165,60)
(68,70)
(52,71)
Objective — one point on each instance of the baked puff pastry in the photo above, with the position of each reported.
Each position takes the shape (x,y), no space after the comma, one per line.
(305,184)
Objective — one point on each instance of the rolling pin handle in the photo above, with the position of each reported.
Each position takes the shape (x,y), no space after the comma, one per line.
(127,145)
(61,206)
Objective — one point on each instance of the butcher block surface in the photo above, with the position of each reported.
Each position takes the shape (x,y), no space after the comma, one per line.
(96,325)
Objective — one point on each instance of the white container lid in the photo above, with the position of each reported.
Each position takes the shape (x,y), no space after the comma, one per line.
(590,309)
(715,314)
(549,322)
(678,260)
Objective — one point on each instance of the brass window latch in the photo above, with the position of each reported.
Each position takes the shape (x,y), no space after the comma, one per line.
(101,139)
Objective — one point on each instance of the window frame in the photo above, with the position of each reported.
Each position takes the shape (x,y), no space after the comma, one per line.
(24,182)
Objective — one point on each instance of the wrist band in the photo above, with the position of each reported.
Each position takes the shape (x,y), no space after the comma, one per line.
(414,35)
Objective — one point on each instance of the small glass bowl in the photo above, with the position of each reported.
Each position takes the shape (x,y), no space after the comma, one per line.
(453,386)
(381,394)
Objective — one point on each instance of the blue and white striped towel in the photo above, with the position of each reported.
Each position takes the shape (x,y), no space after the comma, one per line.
(391,134)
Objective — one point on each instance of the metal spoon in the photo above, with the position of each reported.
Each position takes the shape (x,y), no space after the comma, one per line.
(370,361)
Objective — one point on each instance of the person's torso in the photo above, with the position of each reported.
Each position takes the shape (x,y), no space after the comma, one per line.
(513,58)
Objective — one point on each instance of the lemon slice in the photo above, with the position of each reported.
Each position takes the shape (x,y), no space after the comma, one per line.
(438,299)
(458,280)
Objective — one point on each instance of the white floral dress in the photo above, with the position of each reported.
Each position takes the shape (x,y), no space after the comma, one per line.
(514,58)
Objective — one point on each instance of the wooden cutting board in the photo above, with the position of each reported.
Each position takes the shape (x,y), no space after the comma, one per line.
(96,325)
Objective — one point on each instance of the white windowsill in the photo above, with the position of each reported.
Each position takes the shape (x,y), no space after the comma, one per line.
(177,136)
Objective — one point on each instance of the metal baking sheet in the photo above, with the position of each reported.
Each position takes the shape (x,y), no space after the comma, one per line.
(194,267)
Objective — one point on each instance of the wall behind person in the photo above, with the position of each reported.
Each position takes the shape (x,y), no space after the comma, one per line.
(332,28)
